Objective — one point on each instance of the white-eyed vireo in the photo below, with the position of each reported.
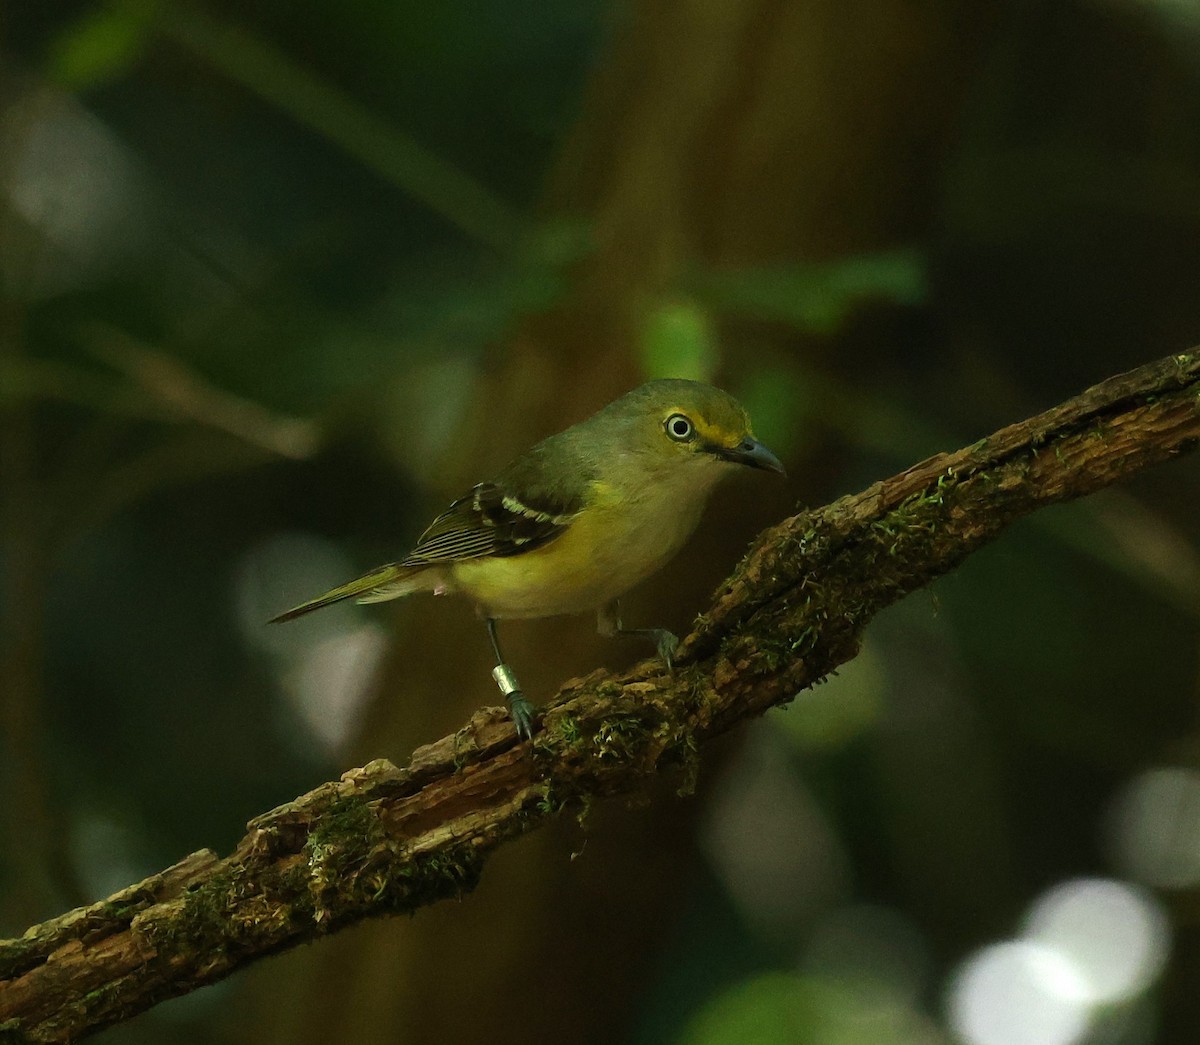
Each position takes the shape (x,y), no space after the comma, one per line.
(578,520)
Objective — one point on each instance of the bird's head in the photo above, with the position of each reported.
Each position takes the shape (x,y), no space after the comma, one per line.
(674,421)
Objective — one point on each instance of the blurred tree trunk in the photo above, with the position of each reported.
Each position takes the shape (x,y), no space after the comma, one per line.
(714,132)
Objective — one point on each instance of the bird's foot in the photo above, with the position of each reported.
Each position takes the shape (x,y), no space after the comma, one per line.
(608,623)
(666,642)
(521,712)
(519,709)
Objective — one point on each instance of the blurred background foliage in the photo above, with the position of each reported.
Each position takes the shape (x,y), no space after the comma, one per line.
(277,280)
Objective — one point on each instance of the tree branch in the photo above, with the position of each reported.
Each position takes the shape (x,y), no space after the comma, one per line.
(383,840)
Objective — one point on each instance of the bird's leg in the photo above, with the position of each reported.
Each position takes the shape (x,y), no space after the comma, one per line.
(608,623)
(519,708)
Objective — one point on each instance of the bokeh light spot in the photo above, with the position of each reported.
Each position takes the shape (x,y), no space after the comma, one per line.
(1112,934)
(1154,828)
(1017,993)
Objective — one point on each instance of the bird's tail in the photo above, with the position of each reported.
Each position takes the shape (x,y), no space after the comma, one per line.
(386,582)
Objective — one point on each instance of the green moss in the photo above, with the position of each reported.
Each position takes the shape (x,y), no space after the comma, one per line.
(551,801)
(804,642)
(12,1033)
(918,516)
(126,909)
(697,685)
(338,851)
(568,728)
(202,921)
(352,863)
(680,749)
(346,830)
(619,738)
(585,809)
(349,866)
(558,737)
(100,999)
(16,956)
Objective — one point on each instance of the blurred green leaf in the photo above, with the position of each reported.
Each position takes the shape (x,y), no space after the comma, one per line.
(102,45)
(376,143)
(780,405)
(678,340)
(786,399)
(835,712)
(819,297)
(780,1008)
(774,1009)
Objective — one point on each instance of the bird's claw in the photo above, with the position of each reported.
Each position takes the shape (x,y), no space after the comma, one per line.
(521,712)
(667,643)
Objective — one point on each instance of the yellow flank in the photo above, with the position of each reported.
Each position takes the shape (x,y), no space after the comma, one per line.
(616,541)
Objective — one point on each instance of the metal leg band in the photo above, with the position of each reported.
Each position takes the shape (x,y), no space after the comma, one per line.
(506,680)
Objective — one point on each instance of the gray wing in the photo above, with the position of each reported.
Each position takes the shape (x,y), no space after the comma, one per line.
(493,521)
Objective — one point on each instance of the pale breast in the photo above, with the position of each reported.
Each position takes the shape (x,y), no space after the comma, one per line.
(615,543)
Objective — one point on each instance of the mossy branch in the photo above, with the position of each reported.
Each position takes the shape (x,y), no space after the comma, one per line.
(384,839)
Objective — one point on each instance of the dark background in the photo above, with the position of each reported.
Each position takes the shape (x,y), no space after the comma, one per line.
(279,280)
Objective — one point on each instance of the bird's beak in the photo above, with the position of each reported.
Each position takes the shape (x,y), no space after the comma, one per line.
(751,452)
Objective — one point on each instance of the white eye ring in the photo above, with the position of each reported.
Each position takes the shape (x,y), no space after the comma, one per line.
(679,428)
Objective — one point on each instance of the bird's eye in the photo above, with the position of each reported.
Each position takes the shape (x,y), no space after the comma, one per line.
(679,428)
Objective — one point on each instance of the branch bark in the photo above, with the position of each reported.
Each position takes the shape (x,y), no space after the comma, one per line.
(382,840)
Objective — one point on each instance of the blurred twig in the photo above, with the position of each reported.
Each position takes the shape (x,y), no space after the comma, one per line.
(161,388)
(188,395)
(221,430)
(377,144)
(383,839)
